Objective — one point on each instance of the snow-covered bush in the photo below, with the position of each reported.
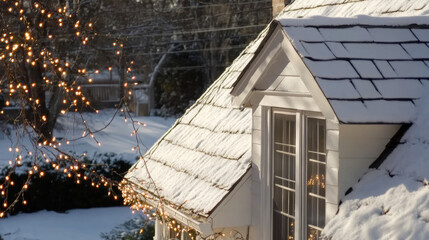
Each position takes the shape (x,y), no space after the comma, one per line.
(60,192)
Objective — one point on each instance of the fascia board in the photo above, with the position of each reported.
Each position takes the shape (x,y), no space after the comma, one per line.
(205,228)
(252,73)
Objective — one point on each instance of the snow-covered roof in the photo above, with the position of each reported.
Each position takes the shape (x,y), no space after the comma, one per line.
(206,152)
(353,8)
(369,73)
(369,57)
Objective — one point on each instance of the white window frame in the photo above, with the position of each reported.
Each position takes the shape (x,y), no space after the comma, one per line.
(267,170)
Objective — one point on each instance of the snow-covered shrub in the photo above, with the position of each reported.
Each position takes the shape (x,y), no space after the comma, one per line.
(58,192)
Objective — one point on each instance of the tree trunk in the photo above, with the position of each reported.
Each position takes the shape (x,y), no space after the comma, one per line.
(43,119)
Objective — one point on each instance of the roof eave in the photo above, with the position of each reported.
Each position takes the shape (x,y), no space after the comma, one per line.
(202,225)
(205,228)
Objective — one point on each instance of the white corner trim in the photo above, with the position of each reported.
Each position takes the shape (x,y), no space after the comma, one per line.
(279,93)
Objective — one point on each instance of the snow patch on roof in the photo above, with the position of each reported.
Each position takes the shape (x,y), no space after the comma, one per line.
(353,9)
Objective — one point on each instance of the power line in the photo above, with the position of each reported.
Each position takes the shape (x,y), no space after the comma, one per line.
(242,46)
(163,43)
(192,31)
(176,22)
(190,7)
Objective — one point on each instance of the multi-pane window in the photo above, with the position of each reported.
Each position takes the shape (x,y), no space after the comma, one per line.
(316,168)
(284,177)
(298,180)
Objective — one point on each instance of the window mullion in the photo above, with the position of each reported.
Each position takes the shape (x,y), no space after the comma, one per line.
(303,179)
(299,177)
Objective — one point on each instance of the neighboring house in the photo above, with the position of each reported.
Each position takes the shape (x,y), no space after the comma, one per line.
(274,145)
(102,88)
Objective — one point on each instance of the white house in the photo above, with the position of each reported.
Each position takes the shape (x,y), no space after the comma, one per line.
(274,145)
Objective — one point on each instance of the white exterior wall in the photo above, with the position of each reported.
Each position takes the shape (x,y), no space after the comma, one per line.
(332,168)
(235,209)
(360,146)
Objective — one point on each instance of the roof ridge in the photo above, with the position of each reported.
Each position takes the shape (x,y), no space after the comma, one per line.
(289,8)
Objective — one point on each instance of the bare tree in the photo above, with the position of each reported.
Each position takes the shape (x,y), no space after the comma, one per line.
(46,50)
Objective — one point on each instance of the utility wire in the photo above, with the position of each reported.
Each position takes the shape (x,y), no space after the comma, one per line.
(191,50)
(208,5)
(193,31)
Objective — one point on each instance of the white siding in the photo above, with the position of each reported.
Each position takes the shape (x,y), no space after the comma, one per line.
(235,210)
(291,84)
(269,79)
(332,168)
(359,146)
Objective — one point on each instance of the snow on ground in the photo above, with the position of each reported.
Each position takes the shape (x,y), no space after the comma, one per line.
(391,202)
(77,224)
(115,138)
